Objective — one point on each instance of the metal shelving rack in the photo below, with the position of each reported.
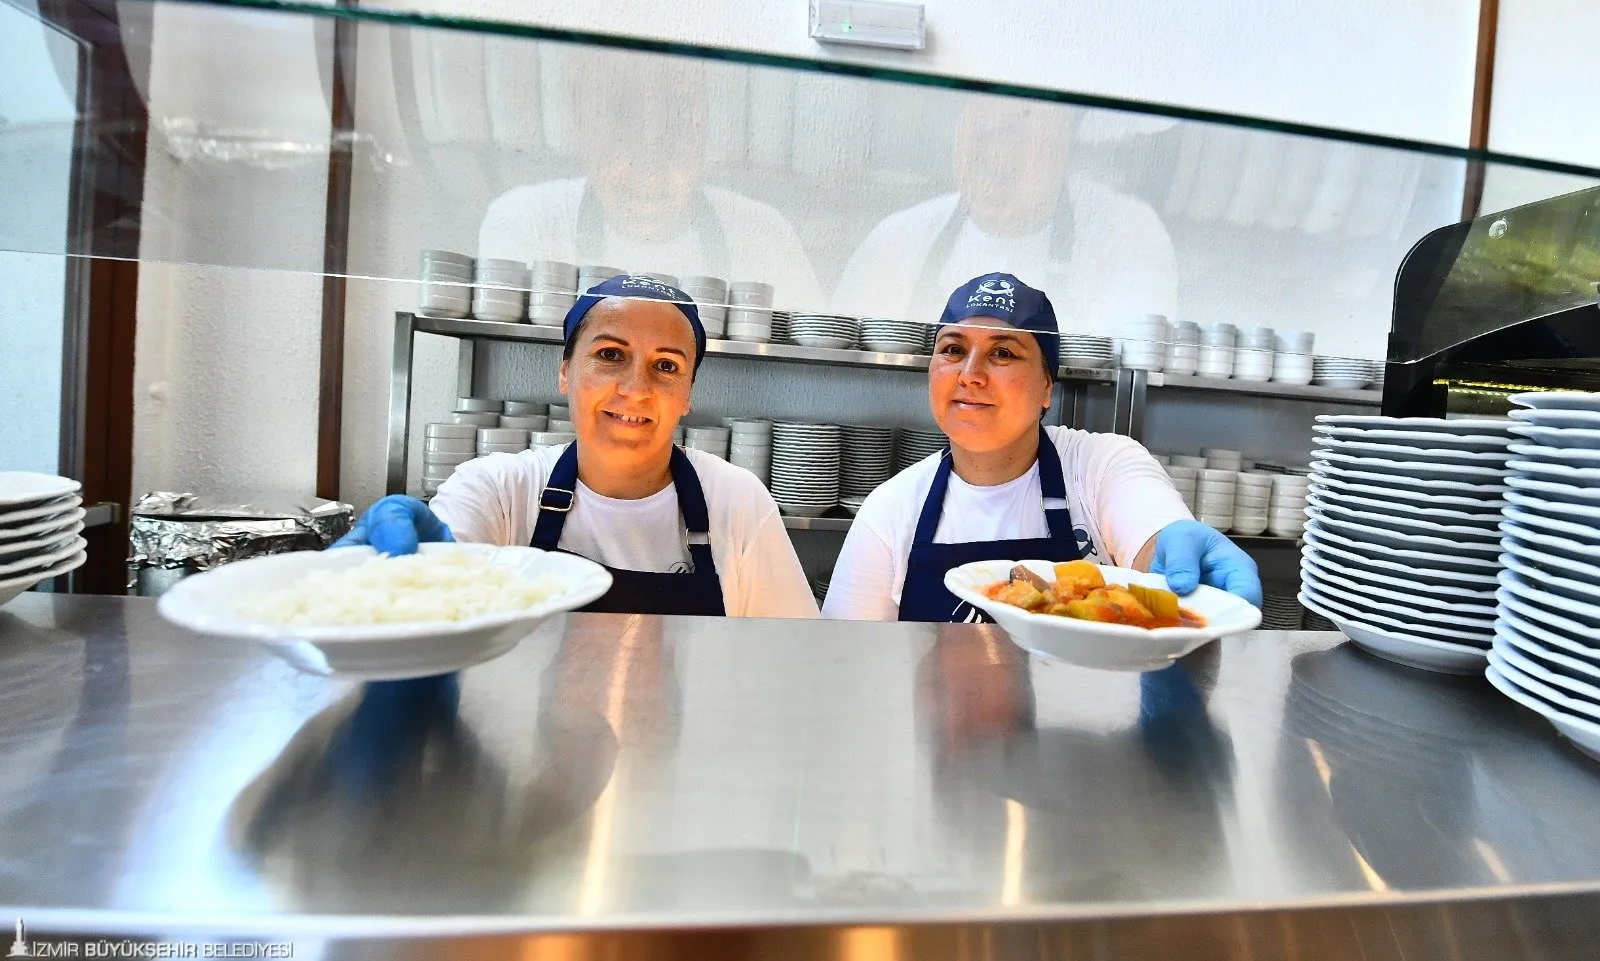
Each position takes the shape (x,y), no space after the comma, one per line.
(1131,387)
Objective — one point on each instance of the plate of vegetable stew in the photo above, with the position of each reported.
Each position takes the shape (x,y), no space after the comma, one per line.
(1111,618)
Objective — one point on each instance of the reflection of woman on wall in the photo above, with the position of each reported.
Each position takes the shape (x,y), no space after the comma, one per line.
(643,204)
(1017,207)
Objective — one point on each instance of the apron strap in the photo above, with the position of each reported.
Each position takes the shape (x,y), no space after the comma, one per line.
(692,505)
(1052,487)
(560,492)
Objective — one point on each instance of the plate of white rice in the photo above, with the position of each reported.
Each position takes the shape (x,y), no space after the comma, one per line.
(352,612)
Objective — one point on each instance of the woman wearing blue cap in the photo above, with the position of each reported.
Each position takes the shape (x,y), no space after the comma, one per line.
(682,532)
(1009,488)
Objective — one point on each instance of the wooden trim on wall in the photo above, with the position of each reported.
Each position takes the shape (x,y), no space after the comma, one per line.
(1482,103)
(335,257)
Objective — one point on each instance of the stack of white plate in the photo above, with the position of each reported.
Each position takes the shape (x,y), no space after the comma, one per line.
(41,516)
(1343,372)
(554,291)
(895,336)
(912,445)
(1286,514)
(444,448)
(805,467)
(780,327)
(1183,350)
(1546,652)
(1402,545)
(1087,350)
(824,330)
(819,586)
(500,289)
(1142,344)
(1216,350)
(446,284)
(750,311)
(750,446)
(591,274)
(1281,612)
(710,295)
(712,440)
(868,461)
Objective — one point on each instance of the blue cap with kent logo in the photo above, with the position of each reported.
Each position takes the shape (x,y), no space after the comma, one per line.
(637,288)
(1005,298)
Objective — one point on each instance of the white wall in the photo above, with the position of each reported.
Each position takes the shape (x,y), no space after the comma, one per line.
(38,107)
(1267,229)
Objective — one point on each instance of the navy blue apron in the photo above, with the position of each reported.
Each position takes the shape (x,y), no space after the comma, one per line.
(638,592)
(924,597)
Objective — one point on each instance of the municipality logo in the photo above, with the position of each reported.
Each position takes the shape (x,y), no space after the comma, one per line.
(19,946)
(997,294)
(648,283)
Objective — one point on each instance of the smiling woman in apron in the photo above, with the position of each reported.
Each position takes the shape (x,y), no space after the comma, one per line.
(681,531)
(1009,488)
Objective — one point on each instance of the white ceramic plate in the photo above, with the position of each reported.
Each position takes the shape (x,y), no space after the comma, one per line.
(1556,417)
(1576,670)
(1525,619)
(49,543)
(27,562)
(1551,552)
(1586,697)
(1571,521)
(1514,669)
(1454,488)
(1446,582)
(1400,533)
(1402,613)
(1420,652)
(1558,399)
(1439,425)
(15,585)
(1551,491)
(1542,599)
(45,530)
(1441,520)
(1559,436)
(1403,452)
(1580,592)
(1426,468)
(1356,540)
(1584,735)
(1112,647)
(208,603)
(1416,438)
(49,510)
(1573,456)
(1363,611)
(19,488)
(1401,587)
(1466,505)
(1556,473)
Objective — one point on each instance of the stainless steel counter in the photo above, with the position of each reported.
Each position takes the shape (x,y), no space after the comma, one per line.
(674,780)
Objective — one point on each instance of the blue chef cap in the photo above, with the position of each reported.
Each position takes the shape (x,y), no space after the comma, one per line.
(1004,297)
(638,288)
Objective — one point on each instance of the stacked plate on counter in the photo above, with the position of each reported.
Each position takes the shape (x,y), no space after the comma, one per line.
(1546,652)
(1402,543)
(1087,350)
(805,467)
(823,330)
(1282,612)
(41,518)
(912,445)
(892,336)
(868,461)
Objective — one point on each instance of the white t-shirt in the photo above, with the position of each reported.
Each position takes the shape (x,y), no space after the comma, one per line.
(1120,262)
(495,500)
(540,222)
(1118,494)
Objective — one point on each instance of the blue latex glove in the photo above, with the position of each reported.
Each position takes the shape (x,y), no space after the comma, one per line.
(395,525)
(1190,554)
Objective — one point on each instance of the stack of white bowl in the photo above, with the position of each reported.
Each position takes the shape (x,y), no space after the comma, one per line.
(1292,359)
(1142,344)
(1190,460)
(41,518)
(500,289)
(1087,350)
(1216,351)
(750,446)
(1286,515)
(868,461)
(501,440)
(710,295)
(1187,482)
(712,440)
(591,274)
(750,311)
(1546,652)
(525,415)
(1343,372)
(912,445)
(477,412)
(1402,543)
(554,291)
(550,438)
(893,336)
(1253,353)
(1252,503)
(446,284)
(805,467)
(1183,350)
(444,448)
(824,330)
(1221,458)
(1214,497)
